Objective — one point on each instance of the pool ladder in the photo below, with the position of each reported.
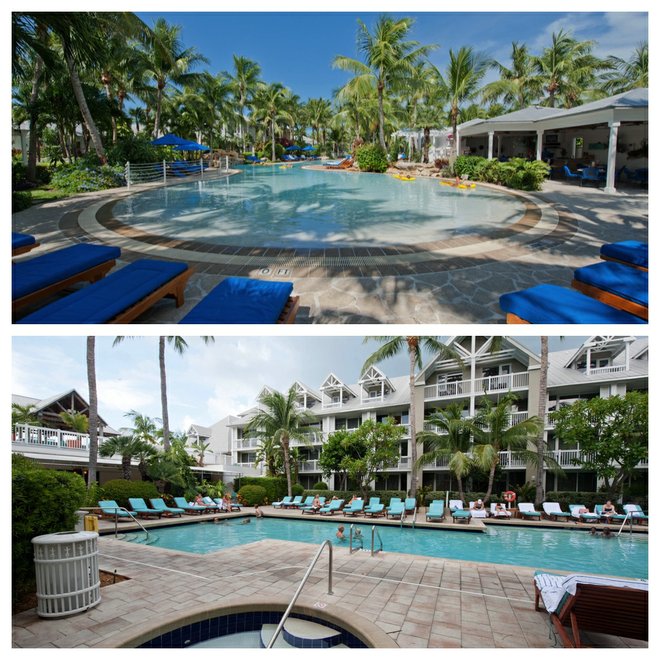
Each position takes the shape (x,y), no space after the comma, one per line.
(285,616)
(374,533)
(121,508)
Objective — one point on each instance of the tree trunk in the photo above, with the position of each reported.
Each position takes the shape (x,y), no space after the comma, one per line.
(461,494)
(381,117)
(427,140)
(454,122)
(413,438)
(540,445)
(287,465)
(126,467)
(163,393)
(272,139)
(32,143)
(159,102)
(93,413)
(491,480)
(84,109)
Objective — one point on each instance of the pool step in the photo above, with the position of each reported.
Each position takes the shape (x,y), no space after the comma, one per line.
(299,633)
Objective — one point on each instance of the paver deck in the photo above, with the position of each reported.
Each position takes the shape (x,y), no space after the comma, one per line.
(455,281)
(419,602)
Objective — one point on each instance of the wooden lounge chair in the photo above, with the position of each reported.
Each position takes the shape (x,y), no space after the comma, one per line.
(631,253)
(39,277)
(22,243)
(120,297)
(616,285)
(343,164)
(603,605)
(246,300)
(141,510)
(547,303)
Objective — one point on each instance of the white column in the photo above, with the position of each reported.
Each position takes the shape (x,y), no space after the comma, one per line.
(491,134)
(611,157)
(539,144)
(457,146)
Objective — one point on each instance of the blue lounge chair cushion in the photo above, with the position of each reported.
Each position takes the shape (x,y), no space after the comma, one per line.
(460,513)
(631,252)
(21,240)
(241,300)
(547,303)
(618,279)
(103,300)
(42,271)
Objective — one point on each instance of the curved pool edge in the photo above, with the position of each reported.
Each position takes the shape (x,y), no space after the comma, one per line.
(354,623)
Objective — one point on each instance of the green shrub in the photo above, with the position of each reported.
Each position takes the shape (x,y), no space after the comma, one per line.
(275,487)
(20,200)
(297,489)
(467,166)
(120,490)
(83,177)
(371,158)
(134,149)
(251,495)
(522,174)
(43,502)
(320,485)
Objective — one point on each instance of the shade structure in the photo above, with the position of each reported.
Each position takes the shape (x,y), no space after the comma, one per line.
(191,146)
(169,140)
(309,147)
(293,147)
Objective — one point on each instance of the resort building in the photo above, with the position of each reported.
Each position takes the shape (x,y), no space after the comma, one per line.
(601,367)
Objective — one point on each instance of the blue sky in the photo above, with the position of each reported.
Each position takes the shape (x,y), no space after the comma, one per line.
(205,384)
(297,48)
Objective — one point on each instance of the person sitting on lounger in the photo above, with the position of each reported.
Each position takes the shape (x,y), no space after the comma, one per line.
(478,505)
(199,501)
(500,510)
(583,509)
(316,503)
(608,509)
(355,498)
(226,502)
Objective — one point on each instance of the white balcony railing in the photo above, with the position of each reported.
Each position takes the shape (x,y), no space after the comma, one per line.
(309,466)
(38,435)
(599,371)
(447,390)
(503,383)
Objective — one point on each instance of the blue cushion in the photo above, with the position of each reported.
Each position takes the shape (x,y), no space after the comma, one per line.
(21,240)
(547,303)
(102,301)
(619,279)
(42,271)
(632,252)
(241,300)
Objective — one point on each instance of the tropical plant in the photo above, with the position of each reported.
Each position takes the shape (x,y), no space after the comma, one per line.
(24,415)
(371,158)
(76,421)
(270,106)
(200,447)
(243,84)
(127,447)
(413,346)
(281,419)
(624,75)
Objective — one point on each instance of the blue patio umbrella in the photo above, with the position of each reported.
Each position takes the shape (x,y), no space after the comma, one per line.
(169,140)
(293,147)
(191,146)
(309,147)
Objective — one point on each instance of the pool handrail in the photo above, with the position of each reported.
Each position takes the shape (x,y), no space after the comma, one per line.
(628,515)
(121,508)
(374,533)
(285,616)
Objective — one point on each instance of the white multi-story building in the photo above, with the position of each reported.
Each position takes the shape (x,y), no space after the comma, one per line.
(601,367)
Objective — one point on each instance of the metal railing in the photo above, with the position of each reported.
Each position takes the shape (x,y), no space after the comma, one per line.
(285,616)
(628,517)
(374,533)
(121,508)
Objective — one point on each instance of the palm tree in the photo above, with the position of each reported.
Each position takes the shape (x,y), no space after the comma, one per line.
(144,428)
(281,420)
(413,346)
(452,439)
(496,433)
(200,447)
(76,421)
(270,106)
(269,453)
(540,442)
(126,446)
(388,57)
(627,74)
(168,62)
(461,81)
(24,415)
(93,412)
(518,86)
(243,83)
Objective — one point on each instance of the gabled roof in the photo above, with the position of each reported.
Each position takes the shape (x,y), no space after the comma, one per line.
(374,375)
(615,345)
(301,388)
(332,382)
(41,404)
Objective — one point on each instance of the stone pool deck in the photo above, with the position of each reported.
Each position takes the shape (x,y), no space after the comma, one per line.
(455,281)
(417,602)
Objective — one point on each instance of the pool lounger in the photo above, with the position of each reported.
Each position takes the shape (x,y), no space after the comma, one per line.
(120,297)
(577,602)
(245,300)
(631,253)
(22,243)
(39,277)
(615,284)
(548,303)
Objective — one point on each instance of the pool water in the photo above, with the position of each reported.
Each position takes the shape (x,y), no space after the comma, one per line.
(556,549)
(303,208)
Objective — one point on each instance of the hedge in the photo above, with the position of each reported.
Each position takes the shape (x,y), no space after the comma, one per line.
(120,490)
(275,487)
(517,173)
(252,495)
(43,502)
(371,158)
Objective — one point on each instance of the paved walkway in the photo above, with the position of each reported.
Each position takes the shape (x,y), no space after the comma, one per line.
(460,282)
(418,602)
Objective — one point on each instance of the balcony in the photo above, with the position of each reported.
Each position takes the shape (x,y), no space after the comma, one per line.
(447,390)
(503,383)
(601,371)
(309,466)
(44,437)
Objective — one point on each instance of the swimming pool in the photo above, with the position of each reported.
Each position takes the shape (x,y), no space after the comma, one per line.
(297,207)
(556,549)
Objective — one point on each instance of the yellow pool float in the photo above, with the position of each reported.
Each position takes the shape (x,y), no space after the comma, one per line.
(463,186)
(404,177)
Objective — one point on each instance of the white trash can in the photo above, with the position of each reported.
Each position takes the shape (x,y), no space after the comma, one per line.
(67,571)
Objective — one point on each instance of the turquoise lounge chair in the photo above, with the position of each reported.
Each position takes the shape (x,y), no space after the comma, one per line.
(396,509)
(458,513)
(374,508)
(294,503)
(332,508)
(615,284)
(636,512)
(575,513)
(310,509)
(553,511)
(285,500)
(527,511)
(140,507)
(39,277)
(121,296)
(211,504)
(409,504)
(22,243)
(436,511)
(355,508)
(110,509)
(246,300)
(189,508)
(158,503)
(598,509)
(631,253)
(307,502)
